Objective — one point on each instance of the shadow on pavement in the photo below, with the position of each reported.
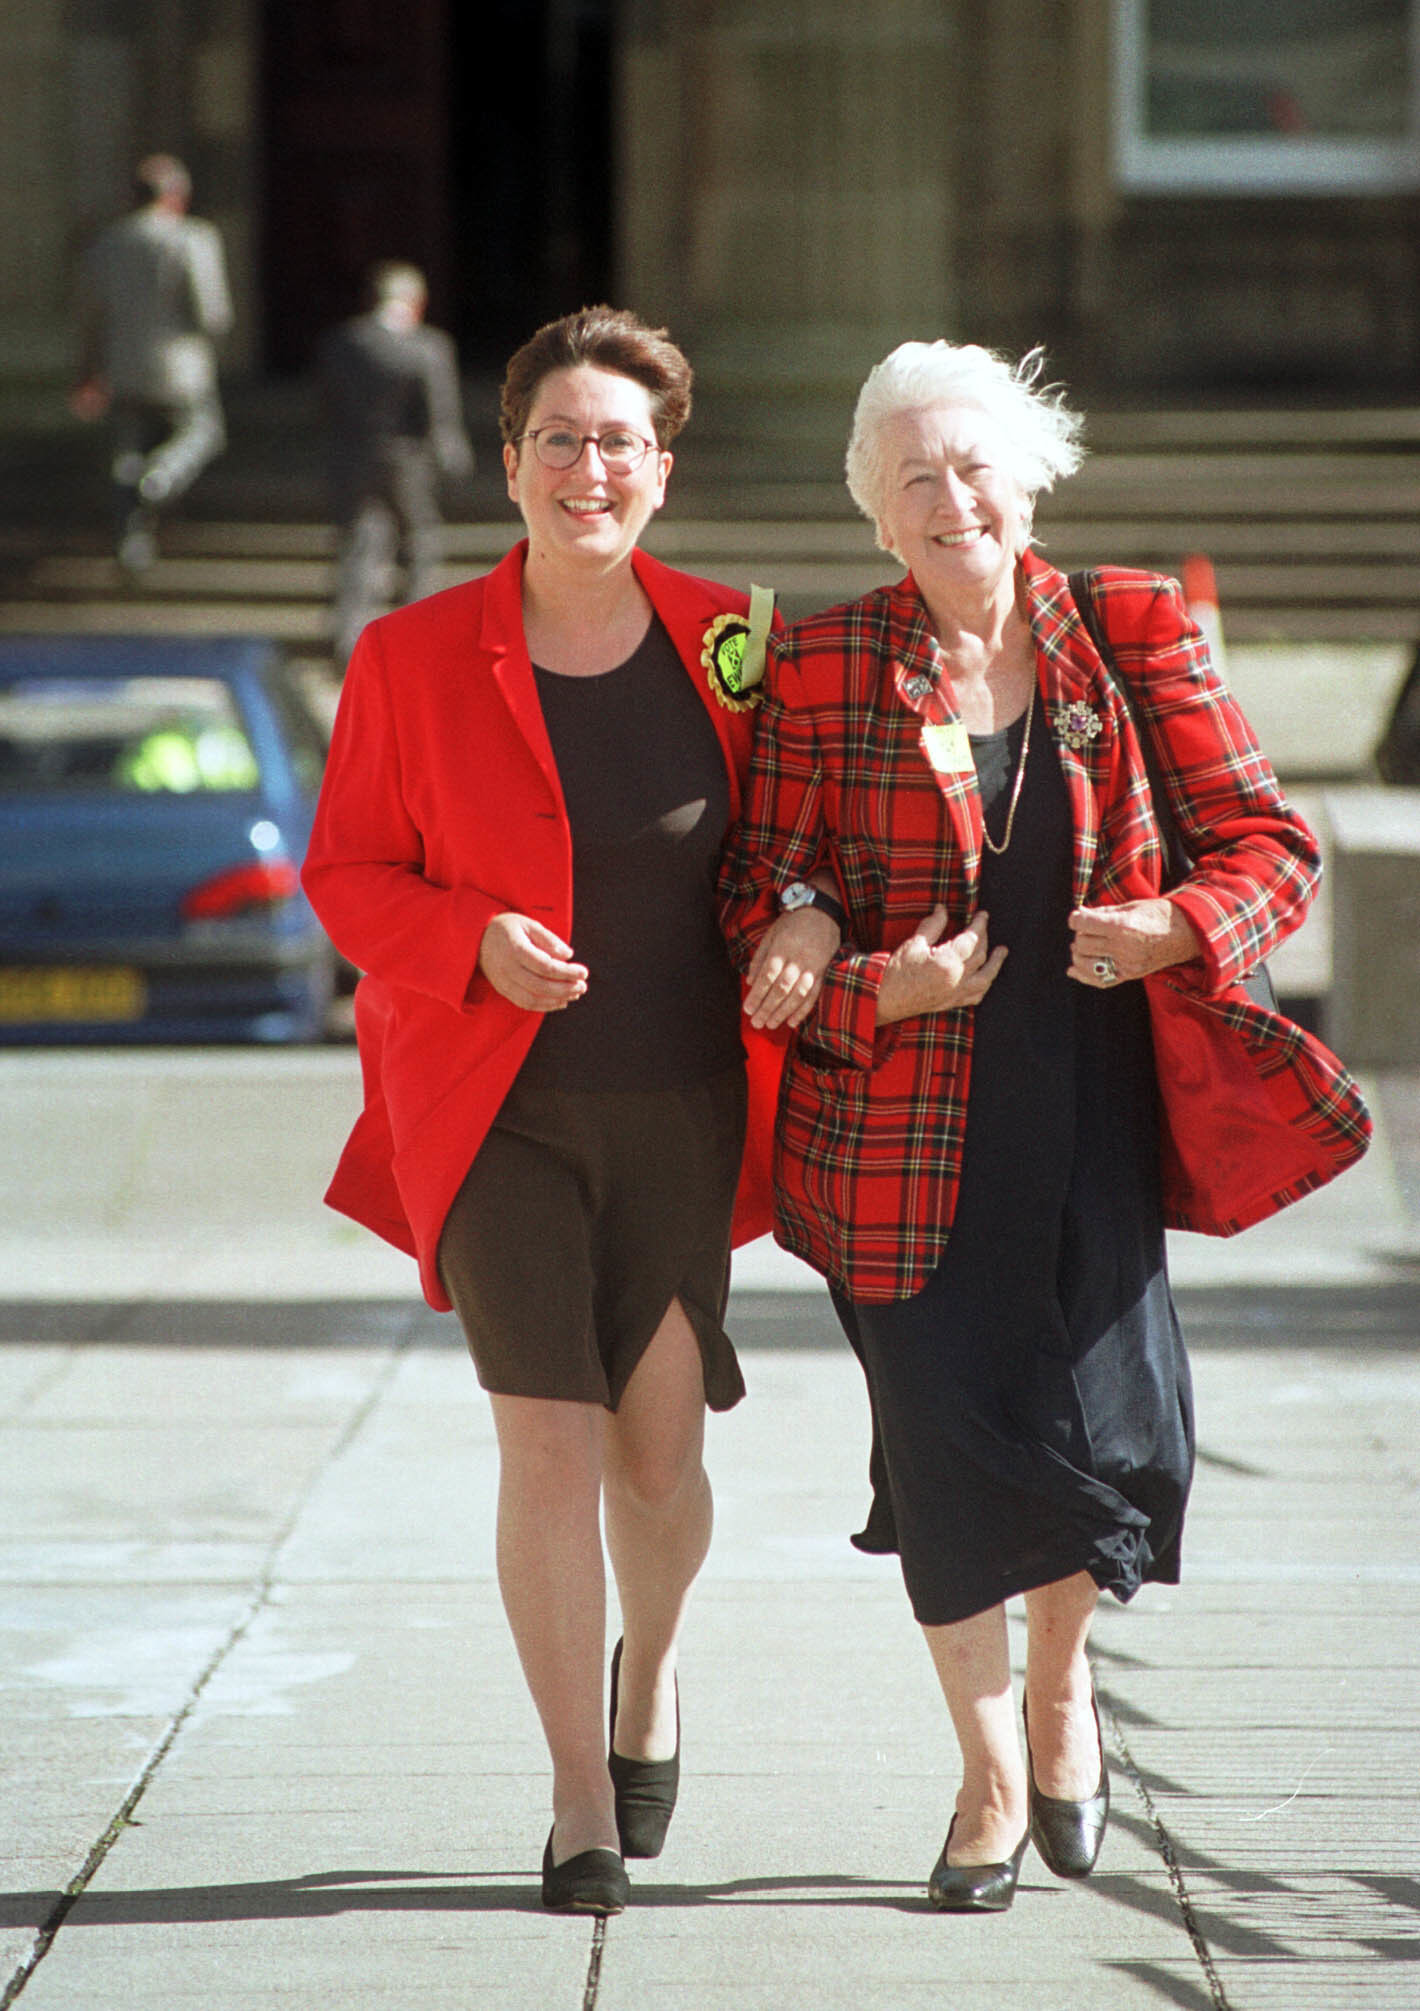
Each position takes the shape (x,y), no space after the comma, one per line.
(322,1894)
(1375,1316)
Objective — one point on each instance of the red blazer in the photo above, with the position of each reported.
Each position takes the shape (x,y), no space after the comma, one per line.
(441,807)
(872,1123)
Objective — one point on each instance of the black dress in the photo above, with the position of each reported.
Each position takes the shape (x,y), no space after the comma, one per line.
(606,1184)
(1032,1405)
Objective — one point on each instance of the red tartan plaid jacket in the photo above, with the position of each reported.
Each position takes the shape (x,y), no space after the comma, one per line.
(871,1122)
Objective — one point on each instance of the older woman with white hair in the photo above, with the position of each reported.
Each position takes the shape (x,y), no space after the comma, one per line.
(972,1145)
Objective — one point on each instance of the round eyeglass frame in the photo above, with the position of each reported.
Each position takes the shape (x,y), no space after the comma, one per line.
(617,465)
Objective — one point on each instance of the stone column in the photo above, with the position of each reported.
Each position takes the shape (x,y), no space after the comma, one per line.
(223,121)
(785,199)
(1035,183)
(34,200)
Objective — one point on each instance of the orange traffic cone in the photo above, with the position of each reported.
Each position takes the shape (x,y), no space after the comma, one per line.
(1200,592)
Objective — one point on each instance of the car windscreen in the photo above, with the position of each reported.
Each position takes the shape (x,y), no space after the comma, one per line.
(122,735)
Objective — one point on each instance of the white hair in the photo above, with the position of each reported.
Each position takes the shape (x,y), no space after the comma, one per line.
(1040,432)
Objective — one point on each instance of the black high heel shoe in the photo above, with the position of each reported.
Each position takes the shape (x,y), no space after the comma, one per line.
(646,1790)
(975,1888)
(594,1881)
(1069,1835)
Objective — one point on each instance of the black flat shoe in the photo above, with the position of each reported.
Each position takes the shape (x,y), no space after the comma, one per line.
(594,1881)
(1069,1834)
(646,1790)
(974,1888)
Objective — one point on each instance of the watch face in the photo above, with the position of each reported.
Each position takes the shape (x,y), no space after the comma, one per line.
(797,894)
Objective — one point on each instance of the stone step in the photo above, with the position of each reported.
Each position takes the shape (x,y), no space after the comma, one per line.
(83,576)
(1135,540)
(301,623)
(1128,539)
(802,590)
(1295,583)
(1187,492)
(1311,518)
(1192,429)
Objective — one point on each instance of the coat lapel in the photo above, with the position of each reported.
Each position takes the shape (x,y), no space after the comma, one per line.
(1080,706)
(688,606)
(920,695)
(685,605)
(509,665)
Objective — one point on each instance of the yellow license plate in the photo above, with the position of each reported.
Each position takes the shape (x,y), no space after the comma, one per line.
(33,995)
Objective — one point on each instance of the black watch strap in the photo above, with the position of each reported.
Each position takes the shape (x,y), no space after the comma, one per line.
(815,897)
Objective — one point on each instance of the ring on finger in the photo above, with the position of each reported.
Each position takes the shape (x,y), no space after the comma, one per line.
(1106,970)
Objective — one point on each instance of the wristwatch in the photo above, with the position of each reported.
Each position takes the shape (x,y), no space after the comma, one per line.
(803,894)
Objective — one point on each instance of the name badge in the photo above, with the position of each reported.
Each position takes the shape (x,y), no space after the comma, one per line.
(948,748)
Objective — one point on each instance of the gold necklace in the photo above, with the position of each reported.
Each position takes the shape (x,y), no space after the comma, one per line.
(986,837)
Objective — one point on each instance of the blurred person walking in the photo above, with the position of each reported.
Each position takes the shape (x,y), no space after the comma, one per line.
(394,417)
(155,298)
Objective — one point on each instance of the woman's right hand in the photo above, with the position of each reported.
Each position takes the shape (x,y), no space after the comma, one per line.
(530,966)
(924,974)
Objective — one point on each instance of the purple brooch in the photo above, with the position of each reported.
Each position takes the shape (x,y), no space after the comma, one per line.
(1078,724)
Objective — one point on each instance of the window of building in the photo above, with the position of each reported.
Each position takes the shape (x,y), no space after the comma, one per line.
(1263,96)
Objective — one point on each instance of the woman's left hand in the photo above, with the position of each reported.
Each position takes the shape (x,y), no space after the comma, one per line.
(787,971)
(1111,945)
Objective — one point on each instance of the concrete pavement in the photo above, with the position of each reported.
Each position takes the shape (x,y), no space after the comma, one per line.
(265,1740)
(197,1174)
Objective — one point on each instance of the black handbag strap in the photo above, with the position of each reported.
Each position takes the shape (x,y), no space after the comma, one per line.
(1177,859)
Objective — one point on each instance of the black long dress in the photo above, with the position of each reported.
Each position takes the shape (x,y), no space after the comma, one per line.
(1032,1404)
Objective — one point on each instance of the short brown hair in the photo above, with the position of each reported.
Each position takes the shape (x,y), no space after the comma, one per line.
(607,338)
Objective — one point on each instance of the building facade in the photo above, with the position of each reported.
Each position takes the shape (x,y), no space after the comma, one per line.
(1194,197)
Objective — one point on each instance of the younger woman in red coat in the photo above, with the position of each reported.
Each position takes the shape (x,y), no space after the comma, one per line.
(529,785)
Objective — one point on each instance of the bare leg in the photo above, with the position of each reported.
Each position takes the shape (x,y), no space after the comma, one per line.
(973,1664)
(1064,1747)
(659,1515)
(553,1582)
(197,435)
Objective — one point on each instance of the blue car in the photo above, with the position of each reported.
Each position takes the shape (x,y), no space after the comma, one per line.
(156,797)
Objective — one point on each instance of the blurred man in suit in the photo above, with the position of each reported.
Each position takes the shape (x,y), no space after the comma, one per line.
(155,299)
(395,417)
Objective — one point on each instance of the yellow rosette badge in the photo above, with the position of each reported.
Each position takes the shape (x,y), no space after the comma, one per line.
(733,652)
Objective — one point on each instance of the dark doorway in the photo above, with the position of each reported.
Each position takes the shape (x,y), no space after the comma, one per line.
(472,139)
(530,166)
(356,158)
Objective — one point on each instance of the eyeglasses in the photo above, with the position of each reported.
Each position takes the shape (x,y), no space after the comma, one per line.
(621,450)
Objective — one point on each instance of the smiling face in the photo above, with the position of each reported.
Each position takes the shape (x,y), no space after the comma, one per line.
(950,509)
(585,515)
